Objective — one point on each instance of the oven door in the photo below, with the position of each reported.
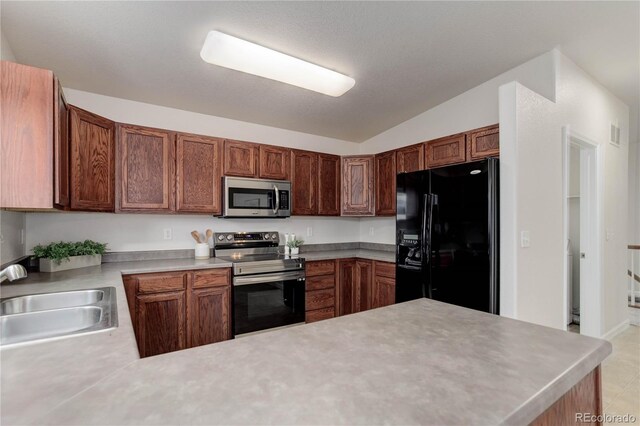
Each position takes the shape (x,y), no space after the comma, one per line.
(255,198)
(267,301)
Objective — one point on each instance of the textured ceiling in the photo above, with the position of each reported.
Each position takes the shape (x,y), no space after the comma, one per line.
(406,57)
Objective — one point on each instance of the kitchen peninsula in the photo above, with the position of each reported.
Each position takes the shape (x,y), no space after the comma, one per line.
(419,362)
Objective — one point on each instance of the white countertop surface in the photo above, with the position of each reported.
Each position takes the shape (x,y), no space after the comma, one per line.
(420,362)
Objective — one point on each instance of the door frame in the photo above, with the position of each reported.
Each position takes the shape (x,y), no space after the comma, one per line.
(591,284)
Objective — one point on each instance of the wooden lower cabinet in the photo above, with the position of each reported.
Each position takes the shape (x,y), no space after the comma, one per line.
(365,284)
(320,297)
(384,284)
(178,310)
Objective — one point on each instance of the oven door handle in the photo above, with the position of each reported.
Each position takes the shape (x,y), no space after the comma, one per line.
(269,278)
(277,207)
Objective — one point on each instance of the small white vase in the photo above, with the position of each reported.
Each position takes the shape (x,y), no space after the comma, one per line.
(295,251)
(202,251)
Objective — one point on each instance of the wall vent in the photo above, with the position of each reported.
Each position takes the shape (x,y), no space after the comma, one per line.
(614,134)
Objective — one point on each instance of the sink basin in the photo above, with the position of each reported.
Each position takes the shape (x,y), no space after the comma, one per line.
(39,325)
(42,302)
(49,316)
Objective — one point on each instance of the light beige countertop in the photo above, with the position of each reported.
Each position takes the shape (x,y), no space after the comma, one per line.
(420,362)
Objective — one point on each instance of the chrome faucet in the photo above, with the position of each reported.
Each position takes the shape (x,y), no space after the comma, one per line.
(13,272)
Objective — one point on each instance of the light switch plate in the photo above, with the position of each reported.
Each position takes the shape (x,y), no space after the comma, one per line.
(525,239)
(167,233)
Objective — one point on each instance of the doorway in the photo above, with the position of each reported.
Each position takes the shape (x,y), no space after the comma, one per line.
(582,192)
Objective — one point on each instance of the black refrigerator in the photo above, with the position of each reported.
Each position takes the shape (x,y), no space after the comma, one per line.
(447,235)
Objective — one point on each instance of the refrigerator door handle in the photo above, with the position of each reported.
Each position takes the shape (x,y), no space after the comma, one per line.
(425,243)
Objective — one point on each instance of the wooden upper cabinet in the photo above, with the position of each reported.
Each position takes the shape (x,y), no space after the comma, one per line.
(410,159)
(385,180)
(241,158)
(445,151)
(26,146)
(92,161)
(275,162)
(329,188)
(61,188)
(304,182)
(146,161)
(198,174)
(357,186)
(484,142)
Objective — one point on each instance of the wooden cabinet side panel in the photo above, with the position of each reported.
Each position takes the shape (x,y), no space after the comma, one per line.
(385,180)
(358,186)
(198,174)
(92,161)
(161,323)
(61,192)
(240,158)
(26,145)
(329,185)
(275,162)
(304,182)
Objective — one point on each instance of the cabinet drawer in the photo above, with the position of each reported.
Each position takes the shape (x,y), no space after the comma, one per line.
(319,299)
(318,283)
(155,283)
(321,267)
(211,278)
(385,269)
(320,314)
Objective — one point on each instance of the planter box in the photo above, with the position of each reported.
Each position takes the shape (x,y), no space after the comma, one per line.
(74,262)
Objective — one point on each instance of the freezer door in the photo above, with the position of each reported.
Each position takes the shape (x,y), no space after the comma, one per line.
(460,253)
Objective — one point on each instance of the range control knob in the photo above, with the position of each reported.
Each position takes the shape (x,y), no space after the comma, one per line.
(274,236)
(229,237)
(220,237)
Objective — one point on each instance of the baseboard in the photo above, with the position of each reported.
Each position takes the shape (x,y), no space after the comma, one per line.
(616,330)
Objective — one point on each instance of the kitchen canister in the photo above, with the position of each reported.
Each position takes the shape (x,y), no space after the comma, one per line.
(202,251)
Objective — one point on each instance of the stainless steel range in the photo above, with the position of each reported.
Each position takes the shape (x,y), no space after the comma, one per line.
(268,287)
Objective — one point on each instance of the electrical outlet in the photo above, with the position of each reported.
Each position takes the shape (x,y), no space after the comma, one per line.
(309,231)
(167,233)
(525,239)
(371,230)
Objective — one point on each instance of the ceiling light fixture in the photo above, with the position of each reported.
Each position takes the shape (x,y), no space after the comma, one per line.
(240,55)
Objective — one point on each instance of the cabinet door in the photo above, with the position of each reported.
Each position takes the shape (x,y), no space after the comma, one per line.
(386,184)
(92,161)
(26,145)
(198,174)
(146,160)
(347,302)
(410,159)
(329,185)
(61,189)
(364,285)
(357,184)
(304,182)
(445,151)
(160,323)
(240,159)
(384,291)
(275,162)
(484,142)
(210,315)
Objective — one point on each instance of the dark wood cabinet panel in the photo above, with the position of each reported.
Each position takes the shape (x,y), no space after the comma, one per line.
(320,282)
(212,278)
(146,161)
(320,267)
(304,182)
(445,151)
(384,269)
(329,188)
(484,142)
(410,159)
(210,315)
(92,161)
(385,180)
(384,291)
(275,162)
(364,287)
(61,191)
(160,323)
(319,315)
(357,186)
(320,299)
(161,282)
(198,174)
(347,283)
(27,126)
(241,158)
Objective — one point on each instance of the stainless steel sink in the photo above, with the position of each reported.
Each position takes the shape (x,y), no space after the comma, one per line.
(43,302)
(54,315)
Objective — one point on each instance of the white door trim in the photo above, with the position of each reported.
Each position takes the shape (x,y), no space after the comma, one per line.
(591,291)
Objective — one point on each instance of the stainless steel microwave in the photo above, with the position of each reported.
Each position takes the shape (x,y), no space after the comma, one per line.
(243,197)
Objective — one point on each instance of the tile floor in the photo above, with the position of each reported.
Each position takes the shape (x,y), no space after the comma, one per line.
(621,375)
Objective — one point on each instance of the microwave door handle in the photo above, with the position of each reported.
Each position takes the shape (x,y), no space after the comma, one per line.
(277,207)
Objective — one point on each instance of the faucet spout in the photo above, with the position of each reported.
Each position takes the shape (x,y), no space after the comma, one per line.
(13,272)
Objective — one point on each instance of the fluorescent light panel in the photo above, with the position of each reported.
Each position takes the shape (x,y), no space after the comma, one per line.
(240,55)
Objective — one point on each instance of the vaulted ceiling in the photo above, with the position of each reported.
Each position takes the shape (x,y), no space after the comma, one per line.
(406,57)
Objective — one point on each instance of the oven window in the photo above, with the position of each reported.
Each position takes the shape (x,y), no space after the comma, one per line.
(267,305)
(244,198)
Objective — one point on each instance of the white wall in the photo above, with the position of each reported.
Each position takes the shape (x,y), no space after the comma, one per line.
(534,154)
(474,108)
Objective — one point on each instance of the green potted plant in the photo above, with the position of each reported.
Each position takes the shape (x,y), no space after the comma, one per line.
(60,256)
(294,246)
